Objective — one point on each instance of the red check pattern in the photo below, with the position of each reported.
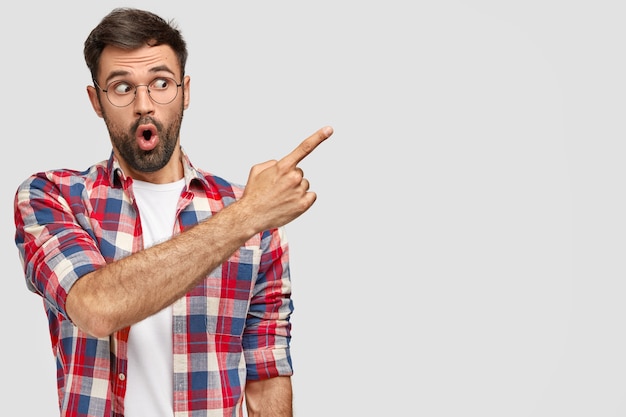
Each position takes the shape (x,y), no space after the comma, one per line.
(232,327)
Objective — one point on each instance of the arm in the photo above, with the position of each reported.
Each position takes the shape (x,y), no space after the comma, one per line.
(122,293)
(269,397)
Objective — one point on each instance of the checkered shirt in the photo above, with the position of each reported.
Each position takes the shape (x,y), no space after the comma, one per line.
(232,327)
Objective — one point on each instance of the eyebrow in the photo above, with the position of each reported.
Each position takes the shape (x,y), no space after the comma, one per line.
(122,73)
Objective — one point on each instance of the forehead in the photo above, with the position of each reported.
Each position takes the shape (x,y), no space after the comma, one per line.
(138,63)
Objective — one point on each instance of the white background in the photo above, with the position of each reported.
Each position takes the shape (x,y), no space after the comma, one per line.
(465,255)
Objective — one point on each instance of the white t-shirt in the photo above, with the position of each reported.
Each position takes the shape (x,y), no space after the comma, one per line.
(149,385)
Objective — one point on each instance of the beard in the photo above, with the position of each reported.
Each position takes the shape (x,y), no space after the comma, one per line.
(145,161)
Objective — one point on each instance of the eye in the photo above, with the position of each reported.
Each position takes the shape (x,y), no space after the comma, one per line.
(121,87)
(161,83)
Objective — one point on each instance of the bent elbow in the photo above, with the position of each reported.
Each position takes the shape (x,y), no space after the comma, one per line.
(89,315)
(94,323)
(98,329)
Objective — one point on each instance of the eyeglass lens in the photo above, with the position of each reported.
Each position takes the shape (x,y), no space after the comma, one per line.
(162,90)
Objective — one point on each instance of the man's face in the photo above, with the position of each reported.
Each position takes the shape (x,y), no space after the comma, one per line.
(144,133)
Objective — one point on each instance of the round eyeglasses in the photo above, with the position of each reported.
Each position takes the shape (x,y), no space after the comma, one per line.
(120,93)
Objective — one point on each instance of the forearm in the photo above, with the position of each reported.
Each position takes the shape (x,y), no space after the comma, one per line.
(127,291)
(269,397)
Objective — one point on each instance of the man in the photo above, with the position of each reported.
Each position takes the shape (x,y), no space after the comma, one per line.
(167,289)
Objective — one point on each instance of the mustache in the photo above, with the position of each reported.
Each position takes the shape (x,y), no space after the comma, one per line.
(145,120)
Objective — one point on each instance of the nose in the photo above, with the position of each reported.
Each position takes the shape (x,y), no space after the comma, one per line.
(143,103)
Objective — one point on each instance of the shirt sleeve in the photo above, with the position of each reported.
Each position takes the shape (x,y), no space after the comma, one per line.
(268,328)
(55,247)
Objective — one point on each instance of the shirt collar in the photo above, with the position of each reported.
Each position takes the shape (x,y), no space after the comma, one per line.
(118,178)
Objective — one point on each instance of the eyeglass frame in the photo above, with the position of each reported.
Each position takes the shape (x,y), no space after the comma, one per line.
(106,92)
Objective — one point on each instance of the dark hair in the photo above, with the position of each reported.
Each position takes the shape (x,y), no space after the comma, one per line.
(130,28)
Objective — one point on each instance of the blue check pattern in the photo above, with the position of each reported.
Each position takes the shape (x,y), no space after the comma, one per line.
(234,326)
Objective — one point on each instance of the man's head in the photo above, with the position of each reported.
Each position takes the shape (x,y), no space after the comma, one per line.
(128,28)
(137,63)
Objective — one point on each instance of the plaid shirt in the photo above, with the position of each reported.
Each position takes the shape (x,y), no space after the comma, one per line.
(233,326)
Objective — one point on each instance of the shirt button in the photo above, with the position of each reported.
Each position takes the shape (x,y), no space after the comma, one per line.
(121,377)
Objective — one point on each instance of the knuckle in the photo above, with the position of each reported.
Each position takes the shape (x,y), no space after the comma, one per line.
(307,147)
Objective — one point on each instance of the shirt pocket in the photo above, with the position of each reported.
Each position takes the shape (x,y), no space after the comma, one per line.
(219,306)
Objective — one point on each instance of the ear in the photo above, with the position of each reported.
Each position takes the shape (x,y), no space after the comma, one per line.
(186,82)
(93,98)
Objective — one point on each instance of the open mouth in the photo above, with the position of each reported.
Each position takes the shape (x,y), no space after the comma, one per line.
(147,134)
(147,137)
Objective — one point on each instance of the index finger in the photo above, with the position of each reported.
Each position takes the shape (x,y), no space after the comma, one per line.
(306,146)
